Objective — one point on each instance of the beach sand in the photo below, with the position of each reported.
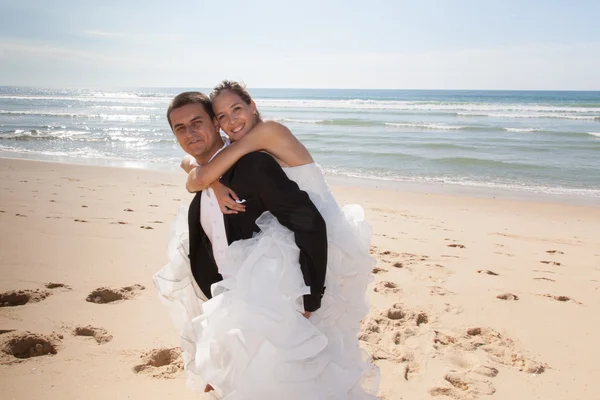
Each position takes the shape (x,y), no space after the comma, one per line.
(472,297)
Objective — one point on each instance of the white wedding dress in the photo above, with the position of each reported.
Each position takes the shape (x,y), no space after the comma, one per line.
(250,340)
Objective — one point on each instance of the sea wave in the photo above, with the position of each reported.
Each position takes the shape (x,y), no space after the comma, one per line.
(366,104)
(93,99)
(81,136)
(298,121)
(332,121)
(486,163)
(121,108)
(425,126)
(109,117)
(468,182)
(596,134)
(523,130)
(558,116)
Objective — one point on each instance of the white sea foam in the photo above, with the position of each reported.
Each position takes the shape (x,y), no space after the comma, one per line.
(559,116)
(86,153)
(299,121)
(597,134)
(161,100)
(523,130)
(425,126)
(92,99)
(121,108)
(424,106)
(108,117)
(469,182)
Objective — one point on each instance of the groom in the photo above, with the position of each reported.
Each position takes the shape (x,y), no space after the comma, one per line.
(260,181)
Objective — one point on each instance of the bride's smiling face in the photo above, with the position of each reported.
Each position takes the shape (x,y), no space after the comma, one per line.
(235,116)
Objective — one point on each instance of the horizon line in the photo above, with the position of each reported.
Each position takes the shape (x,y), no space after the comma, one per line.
(297,88)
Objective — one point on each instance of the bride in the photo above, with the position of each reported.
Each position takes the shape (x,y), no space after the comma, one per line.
(238,342)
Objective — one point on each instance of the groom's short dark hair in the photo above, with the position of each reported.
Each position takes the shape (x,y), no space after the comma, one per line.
(185,98)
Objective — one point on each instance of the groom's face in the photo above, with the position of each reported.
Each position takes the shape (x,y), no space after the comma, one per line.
(197,133)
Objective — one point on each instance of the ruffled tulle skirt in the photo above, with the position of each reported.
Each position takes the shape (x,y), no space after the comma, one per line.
(250,340)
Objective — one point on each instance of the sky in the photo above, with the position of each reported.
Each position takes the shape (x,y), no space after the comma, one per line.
(377,44)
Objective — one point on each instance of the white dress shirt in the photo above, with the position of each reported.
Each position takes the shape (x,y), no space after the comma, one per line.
(211,219)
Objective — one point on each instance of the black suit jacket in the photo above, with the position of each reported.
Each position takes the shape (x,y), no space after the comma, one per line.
(259,180)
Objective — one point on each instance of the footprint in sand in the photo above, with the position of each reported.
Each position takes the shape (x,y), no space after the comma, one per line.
(55,285)
(554,252)
(160,363)
(377,270)
(386,287)
(386,334)
(407,259)
(21,297)
(16,346)
(128,210)
(487,272)
(391,321)
(564,299)
(99,334)
(504,254)
(105,295)
(439,291)
(457,245)
(79,220)
(452,308)
(499,349)
(507,296)
(463,386)
(146,227)
(551,262)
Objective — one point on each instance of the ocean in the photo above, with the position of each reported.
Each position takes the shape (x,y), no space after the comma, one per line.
(527,142)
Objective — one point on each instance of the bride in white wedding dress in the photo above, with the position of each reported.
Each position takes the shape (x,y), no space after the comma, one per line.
(253,338)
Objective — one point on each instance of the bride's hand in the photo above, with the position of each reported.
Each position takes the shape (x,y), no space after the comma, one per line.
(227,199)
(188,163)
(306,314)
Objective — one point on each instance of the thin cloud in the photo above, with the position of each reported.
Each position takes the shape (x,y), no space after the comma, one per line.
(9,48)
(101,34)
(132,37)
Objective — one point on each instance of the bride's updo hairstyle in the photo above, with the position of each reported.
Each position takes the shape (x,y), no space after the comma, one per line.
(236,88)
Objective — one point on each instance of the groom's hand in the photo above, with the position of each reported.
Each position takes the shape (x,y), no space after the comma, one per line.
(188,163)
(306,314)
(228,200)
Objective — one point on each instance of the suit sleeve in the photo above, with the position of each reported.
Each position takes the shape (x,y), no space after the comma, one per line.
(293,209)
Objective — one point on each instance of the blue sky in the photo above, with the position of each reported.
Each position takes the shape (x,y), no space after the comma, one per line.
(305,44)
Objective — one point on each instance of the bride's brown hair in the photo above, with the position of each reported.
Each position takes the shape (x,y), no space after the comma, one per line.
(236,88)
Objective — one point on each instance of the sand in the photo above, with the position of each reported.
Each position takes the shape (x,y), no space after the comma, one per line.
(472,298)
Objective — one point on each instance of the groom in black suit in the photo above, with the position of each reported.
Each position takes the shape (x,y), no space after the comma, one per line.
(260,181)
